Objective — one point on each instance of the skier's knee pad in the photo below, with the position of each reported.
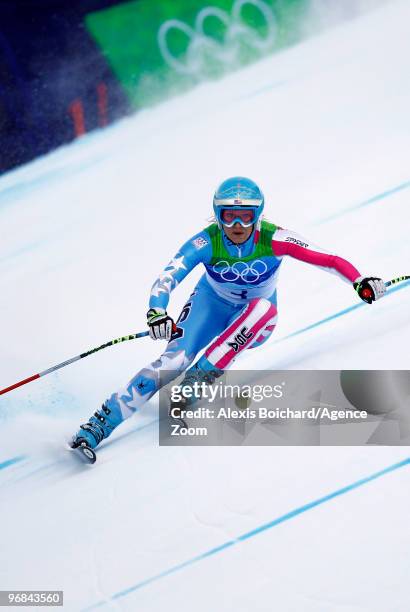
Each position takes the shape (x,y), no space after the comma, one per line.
(268,311)
(244,330)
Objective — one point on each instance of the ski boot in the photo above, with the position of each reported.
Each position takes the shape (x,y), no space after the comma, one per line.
(202,372)
(100,426)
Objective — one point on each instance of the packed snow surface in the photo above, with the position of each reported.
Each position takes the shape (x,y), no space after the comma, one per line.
(324,129)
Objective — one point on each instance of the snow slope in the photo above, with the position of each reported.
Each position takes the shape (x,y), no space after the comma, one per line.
(324,129)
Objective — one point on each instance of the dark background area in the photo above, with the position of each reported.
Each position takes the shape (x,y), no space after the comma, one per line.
(55,83)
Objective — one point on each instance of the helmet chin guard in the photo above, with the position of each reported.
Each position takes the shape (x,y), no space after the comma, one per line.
(239,192)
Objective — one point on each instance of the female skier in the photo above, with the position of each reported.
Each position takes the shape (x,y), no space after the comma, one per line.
(232,308)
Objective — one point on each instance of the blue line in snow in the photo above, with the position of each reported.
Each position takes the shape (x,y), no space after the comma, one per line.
(376,198)
(264,89)
(393,289)
(250,534)
(12,461)
(45,466)
(336,315)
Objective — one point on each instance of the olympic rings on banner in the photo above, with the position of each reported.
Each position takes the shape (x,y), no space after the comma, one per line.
(248,273)
(201,45)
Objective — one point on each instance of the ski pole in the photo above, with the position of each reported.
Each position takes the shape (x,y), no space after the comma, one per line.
(73,359)
(367,292)
(397,280)
(117,341)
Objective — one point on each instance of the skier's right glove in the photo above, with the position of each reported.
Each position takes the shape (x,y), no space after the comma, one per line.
(370,288)
(161,326)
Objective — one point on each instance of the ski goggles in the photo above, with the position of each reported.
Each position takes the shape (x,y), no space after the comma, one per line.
(245,216)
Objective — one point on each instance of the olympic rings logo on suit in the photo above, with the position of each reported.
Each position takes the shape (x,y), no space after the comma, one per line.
(248,273)
(200,44)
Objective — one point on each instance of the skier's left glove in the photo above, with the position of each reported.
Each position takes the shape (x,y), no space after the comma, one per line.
(369,288)
(161,326)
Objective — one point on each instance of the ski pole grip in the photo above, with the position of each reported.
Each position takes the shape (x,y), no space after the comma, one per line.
(176,331)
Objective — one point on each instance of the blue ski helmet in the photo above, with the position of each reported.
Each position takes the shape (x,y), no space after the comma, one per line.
(239,192)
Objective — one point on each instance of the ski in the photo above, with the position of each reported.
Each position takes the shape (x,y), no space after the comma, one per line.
(85,453)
